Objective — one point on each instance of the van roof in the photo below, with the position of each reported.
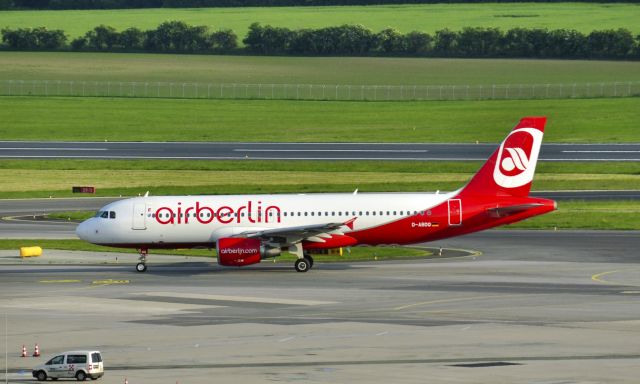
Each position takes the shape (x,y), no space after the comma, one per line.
(78,352)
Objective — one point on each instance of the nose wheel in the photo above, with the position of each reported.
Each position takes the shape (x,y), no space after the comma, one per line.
(142,265)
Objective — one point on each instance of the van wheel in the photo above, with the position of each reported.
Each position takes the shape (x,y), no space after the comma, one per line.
(81,376)
(41,376)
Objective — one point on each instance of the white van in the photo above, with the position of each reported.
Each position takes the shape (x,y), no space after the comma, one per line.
(78,364)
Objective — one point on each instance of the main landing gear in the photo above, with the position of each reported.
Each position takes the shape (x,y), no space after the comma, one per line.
(142,265)
(304,264)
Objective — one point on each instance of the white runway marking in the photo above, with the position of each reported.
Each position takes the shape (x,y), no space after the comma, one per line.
(102,306)
(334,150)
(248,299)
(50,149)
(570,151)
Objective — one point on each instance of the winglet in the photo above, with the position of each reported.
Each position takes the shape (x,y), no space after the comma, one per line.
(349,223)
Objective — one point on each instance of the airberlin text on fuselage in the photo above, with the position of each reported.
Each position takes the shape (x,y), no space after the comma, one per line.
(225,214)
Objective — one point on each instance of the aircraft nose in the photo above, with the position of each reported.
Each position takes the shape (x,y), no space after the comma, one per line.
(82,231)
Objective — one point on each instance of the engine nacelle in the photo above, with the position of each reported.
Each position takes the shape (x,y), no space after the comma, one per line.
(233,251)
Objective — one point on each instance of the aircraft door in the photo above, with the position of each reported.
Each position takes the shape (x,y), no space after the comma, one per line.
(139,216)
(455,211)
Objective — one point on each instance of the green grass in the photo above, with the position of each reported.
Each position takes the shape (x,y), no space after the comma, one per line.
(71,215)
(181,177)
(306,70)
(588,215)
(429,18)
(99,119)
(349,255)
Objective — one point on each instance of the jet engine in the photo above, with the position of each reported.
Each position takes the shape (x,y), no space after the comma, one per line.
(238,252)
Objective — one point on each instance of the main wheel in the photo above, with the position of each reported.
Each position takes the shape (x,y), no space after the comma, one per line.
(41,376)
(141,267)
(310,260)
(302,265)
(81,376)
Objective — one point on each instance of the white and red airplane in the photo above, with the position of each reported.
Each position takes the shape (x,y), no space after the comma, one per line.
(246,229)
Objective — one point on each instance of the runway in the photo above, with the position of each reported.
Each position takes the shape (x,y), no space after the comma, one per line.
(303,151)
(529,306)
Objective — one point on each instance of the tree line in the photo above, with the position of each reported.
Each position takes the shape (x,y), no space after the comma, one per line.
(345,40)
(115,4)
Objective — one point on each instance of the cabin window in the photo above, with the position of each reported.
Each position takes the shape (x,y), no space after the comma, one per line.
(394,213)
(305,213)
(373,213)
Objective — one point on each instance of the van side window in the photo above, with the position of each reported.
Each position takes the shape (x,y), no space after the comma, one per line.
(76,359)
(96,358)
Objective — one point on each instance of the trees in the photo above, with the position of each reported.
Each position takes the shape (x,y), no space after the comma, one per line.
(390,40)
(131,39)
(102,37)
(223,40)
(352,40)
(36,38)
(419,43)
(268,39)
(611,43)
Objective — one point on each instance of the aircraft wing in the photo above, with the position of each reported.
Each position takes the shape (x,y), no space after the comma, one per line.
(313,232)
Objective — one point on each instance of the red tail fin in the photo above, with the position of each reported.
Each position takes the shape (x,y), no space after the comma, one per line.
(509,171)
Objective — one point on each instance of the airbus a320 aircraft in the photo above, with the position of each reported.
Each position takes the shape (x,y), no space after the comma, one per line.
(246,229)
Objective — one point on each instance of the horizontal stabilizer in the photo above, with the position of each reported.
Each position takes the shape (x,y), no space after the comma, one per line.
(511,210)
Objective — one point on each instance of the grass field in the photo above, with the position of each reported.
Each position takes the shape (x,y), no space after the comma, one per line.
(306,70)
(429,18)
(99,119)
(130,178)
(584,215)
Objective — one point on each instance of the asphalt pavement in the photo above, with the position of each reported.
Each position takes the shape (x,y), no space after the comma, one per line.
(303,151)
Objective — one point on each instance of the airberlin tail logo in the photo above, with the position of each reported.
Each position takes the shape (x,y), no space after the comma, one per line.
(517,157)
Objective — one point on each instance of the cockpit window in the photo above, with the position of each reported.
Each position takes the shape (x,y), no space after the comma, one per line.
(112,215)
(104,214)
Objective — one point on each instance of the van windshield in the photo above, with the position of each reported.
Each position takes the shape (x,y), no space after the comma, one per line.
(96,358)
